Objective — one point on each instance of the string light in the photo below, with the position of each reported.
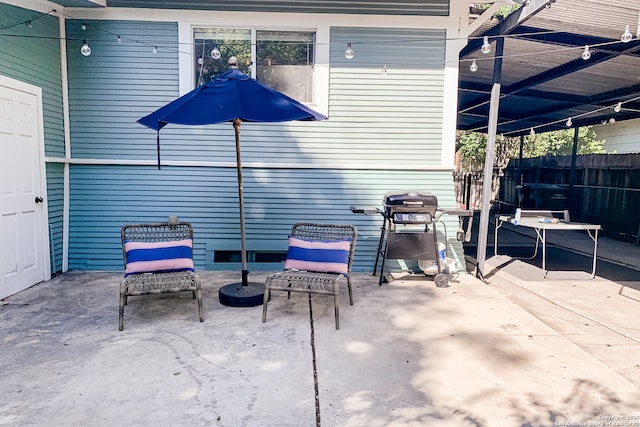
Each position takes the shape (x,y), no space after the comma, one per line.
(473,67)
(155,49)
(486,46)
(349,53)
(85,49)
(618,107)
(612,120)
(83,27)
(532,132)
(384,70)
(569,122)
(626,36)
(587,53)
(215,53)
(29,24)
(119,40)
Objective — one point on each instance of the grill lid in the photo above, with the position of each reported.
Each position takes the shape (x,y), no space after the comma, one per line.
(418,200)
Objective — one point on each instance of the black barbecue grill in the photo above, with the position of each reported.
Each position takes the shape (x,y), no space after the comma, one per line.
(409,229)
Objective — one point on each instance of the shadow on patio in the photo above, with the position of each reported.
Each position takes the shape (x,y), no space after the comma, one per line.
(407,353)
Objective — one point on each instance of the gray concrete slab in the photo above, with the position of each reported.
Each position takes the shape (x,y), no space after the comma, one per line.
(407,354)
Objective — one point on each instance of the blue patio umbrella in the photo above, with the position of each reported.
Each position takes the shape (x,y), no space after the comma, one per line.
(231,97)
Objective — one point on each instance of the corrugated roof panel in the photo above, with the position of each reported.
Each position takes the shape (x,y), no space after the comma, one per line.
(600,78)
(544,77)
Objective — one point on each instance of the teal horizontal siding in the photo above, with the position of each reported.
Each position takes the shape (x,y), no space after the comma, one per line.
(32,55)
(117,84)
(398,48)
(55,202)
(104,198)
(391,124)
(398,115)
(373,121)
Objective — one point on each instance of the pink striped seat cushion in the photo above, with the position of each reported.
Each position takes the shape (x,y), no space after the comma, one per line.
(158,257)
(324,256)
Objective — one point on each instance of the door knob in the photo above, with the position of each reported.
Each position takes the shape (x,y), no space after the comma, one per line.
(39,199)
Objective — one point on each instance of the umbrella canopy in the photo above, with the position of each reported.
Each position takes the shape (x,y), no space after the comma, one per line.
(232,97)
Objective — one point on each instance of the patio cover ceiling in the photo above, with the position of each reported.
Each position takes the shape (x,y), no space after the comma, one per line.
(544,80)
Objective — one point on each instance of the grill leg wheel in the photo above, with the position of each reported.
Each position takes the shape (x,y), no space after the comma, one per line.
(441,280)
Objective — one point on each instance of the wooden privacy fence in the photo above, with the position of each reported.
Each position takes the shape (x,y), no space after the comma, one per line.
(601,189)
(468,188)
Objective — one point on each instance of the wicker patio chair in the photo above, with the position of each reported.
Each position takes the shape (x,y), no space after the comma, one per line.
(158,258)
(315,282)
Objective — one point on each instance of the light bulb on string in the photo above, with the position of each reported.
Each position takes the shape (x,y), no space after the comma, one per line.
(626,36)
(532,132)
(569,122)
(119,40)
(215,53)
(473,67)
(200,61)
(604,122)
(154,50)
(618,107)
(486,46)
(85,49)
(29,24)
(384,70)
(83,27)
(587,53)
(612,120)
(349,53)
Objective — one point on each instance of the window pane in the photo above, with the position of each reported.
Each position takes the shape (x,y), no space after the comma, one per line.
(230,42)
(284,61)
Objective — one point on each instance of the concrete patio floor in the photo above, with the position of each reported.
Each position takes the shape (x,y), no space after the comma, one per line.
(502,353)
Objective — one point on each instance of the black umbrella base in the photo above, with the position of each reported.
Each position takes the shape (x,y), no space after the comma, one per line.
(239,295)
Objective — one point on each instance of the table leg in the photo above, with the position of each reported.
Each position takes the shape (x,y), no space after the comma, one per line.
(544,251)
(595,251)
(495,236)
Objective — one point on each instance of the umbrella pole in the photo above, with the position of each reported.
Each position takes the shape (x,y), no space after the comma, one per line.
(158,145)
(242,294)
(243,242)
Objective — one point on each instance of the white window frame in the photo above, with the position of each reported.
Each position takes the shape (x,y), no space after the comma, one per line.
(321,65)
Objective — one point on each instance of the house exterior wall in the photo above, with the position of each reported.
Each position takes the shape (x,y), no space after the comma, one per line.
(621,137)
(385,132)
(32,55)
(426,8)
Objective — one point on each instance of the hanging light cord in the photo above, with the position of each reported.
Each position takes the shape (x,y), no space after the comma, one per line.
(28,20)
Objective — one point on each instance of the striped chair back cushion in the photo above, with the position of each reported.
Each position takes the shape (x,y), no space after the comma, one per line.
(324,256)
(158,257)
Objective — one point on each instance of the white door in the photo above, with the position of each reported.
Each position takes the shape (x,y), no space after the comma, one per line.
(24,241)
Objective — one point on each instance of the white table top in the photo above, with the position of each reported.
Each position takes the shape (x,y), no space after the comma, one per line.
(533,222)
